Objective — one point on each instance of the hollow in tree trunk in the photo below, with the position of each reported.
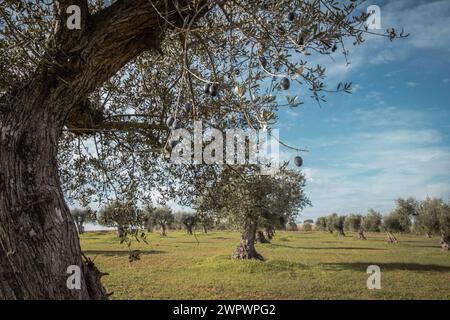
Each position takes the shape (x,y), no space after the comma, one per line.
(260,238)
(246,249)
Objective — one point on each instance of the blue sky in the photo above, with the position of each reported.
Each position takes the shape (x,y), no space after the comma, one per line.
(390,138)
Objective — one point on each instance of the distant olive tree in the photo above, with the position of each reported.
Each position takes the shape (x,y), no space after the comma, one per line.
(394,223)
(82,216)
(307,227)
(373,221)
(124,216)
(321,224)
(427,220)
(189,221)
(406,211)
(336,223)
(353,222)
(162,217)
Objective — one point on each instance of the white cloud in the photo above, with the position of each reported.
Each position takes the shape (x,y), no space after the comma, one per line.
(378,164)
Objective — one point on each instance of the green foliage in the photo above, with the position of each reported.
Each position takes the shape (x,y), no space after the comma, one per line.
(406,210)
(393,222)
(353,222)
(307,227)
(373,221)
(121,215)
(162,216)
(321,224)
(429,212)
(82,216)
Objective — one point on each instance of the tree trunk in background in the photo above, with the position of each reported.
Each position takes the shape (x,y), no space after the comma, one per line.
(260,238)
(162,231)
(428,235)
(189,230)
(391,238)
(269,232)
(246,249)
(120,231)
(361,235)
(38,236)
(445,243)
(205,229)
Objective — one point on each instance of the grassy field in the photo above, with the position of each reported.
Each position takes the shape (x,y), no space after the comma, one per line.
(298,265)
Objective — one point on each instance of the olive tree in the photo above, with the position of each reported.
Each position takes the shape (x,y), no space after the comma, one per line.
(258,200)
(124,216)
(406,210)
(321,224)
(373,221)
(353,222)
(162,217)
(427,219)
(189,220)
(394,223)
(85,92)
(81,216)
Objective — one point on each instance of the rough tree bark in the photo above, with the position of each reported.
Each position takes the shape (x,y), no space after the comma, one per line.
(246,249)
(38,237)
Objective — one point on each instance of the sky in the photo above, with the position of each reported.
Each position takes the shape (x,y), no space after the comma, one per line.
(390,137)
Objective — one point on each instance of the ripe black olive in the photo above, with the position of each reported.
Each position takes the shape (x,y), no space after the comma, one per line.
(285,83)
(206,88)
(298,161)
(213,90)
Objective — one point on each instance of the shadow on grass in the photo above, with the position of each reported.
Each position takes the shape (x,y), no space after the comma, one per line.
(326,248)
(119,252)
(360,266)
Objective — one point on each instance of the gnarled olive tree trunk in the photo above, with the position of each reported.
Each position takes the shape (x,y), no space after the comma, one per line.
(38,237)
(162,231)
(246,249)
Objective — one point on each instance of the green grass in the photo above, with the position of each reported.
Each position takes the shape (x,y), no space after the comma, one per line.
(298,265)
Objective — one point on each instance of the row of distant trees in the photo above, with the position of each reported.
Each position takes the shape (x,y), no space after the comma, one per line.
(429,217)
(127,218)
(241,198)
